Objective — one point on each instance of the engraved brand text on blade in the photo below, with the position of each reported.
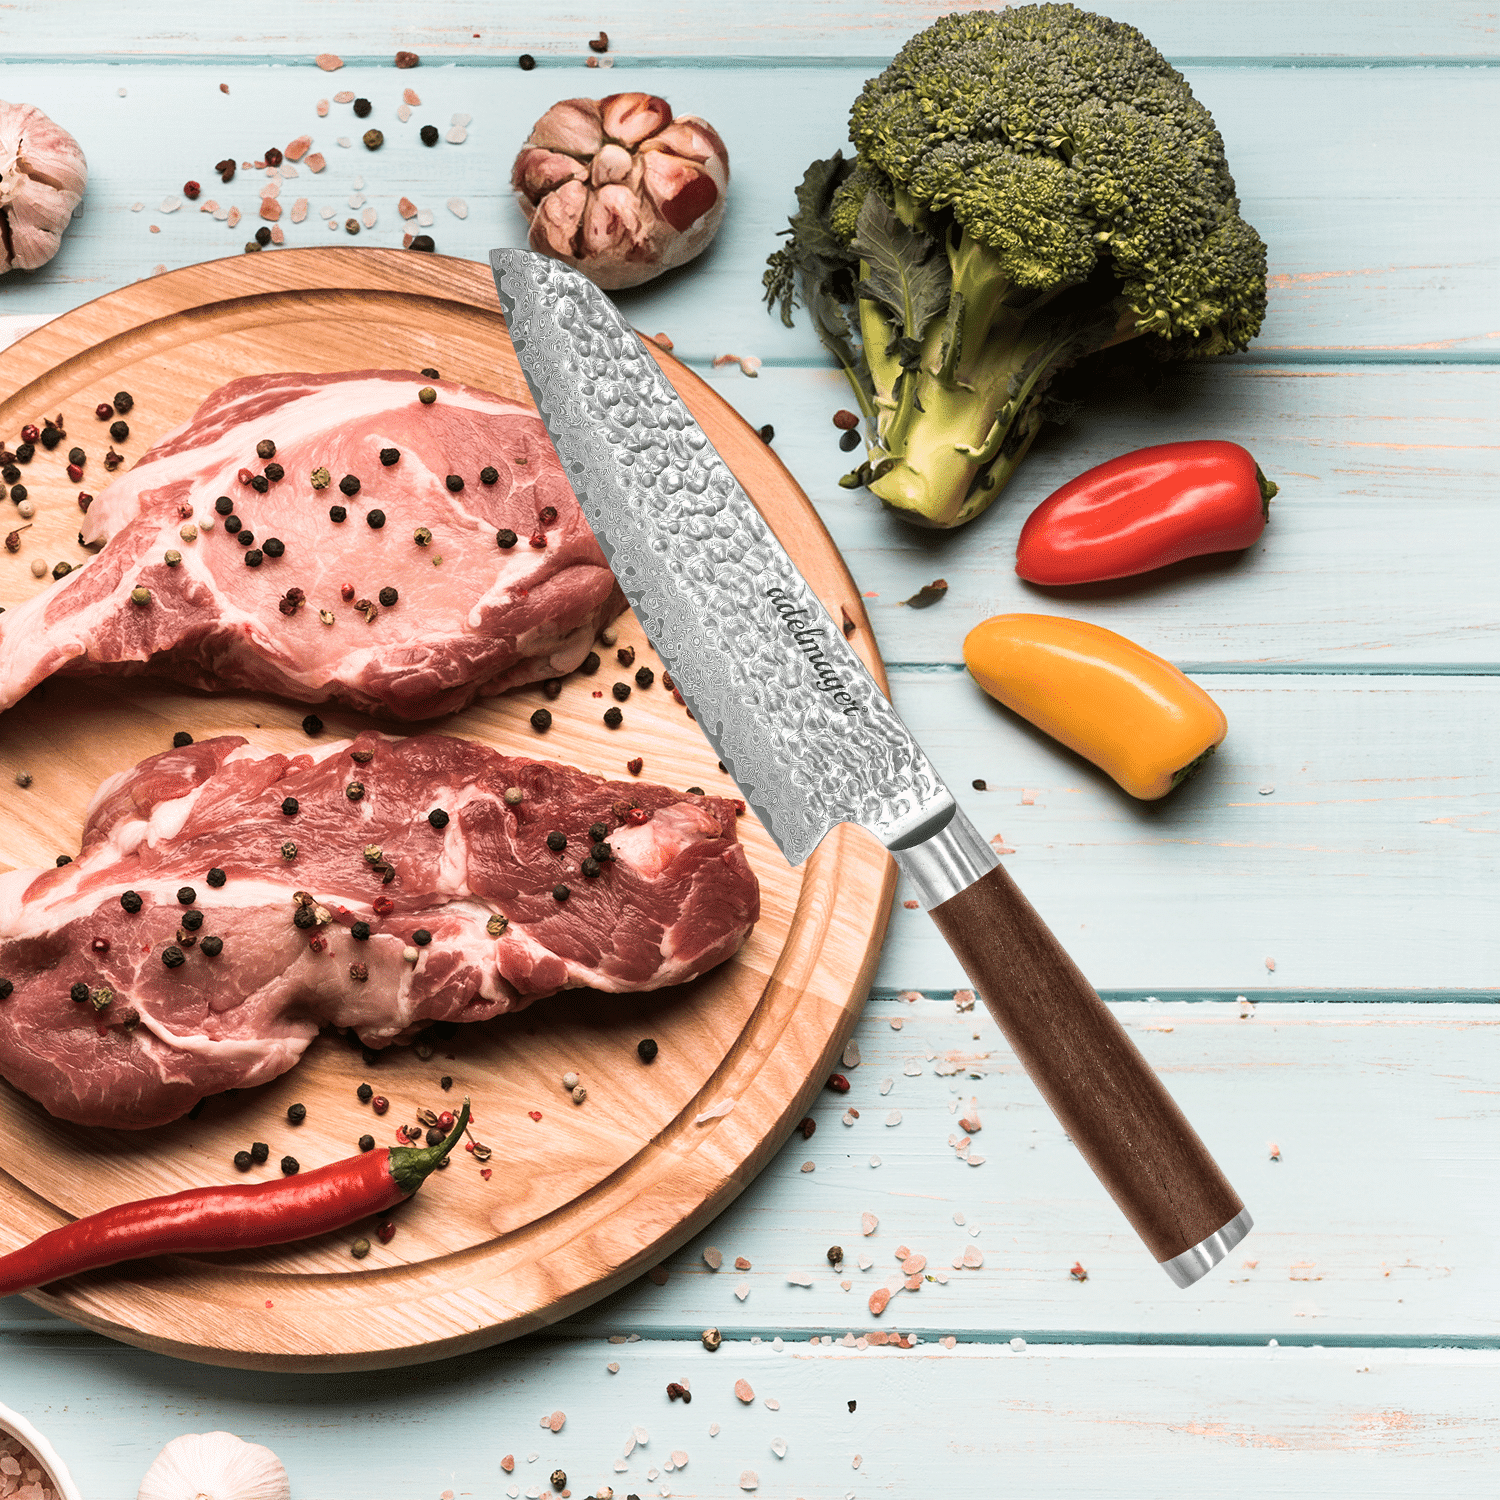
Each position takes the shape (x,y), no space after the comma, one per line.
(807,636)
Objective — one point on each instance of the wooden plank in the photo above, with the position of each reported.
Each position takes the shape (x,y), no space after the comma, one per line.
(556,31)
(1134,1423)
(1377,1225)
(1375,269)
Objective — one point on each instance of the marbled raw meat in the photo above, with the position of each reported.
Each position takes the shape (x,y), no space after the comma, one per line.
(677,898)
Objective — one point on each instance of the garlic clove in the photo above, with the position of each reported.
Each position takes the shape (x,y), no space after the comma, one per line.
(616,223)
(554,230)
(612,164)
(42,177)
(630,118)
(215,1466)
(538,172)
(682,192)
(572,126)
(693,138)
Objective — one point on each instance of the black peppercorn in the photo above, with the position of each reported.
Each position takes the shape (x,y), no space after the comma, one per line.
(367,1143)
(131,902)
(263,236)
(598,831)
(296,1113)
(304,917)
(644,677)
(364,1093)
(590,663)
(50,438)
(455,482)
(557,842)
(10,473)
(192,920)
(388,596)
(849,441)
(613,717)
(259,483)
(362,107)
(312,724)
(289,1166)
(242,1160)
(211,947)
(541,720)
(19,493)
(646,1050)
(119,431)
(488,474)
(435,1137)
(590,868)
(560,893)
(79,993)
(601,851)
(373,139)
(425,242)
(360,931)
(216,877)
(375,519)
(337,513)
(245,537)
(173,957)
(349,484)
(275,473)
(63,859)
(186,895)
(254,557)
(77,456)
(526,61)
(265,448)
(696,791)
(259,1152)
(505,537)
(25,453)
(421,937)
(7,989)
(232,524)
(438,818)
(273,546)
(290,806)
(123,402)
(621,690)
(429,134)
(355,790)
(181,739)
(445,1082)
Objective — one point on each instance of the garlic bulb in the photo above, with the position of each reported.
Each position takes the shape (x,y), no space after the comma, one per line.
(619,189)
(214,1466)
(42,176)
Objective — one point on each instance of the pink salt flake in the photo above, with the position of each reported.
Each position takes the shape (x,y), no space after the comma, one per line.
(270,208)
(407,209)
(846,1284)
(409,96)
(998,844)
(299,210)
(868,1224)
(278,235)
(330,62)
(913,1264)
(880,1299)
(741,1264)
(233,217)
(963,1000)
(406,240)
(910,996)
(970,1121)
(556,1420)
(914,1283)
(1028,797)
(299,148)
(948,1341)
(508,1463)
(743,1391)
(322,108)
(973,1257)
(879,1338)
(316,162)
(208,207)
(344,96)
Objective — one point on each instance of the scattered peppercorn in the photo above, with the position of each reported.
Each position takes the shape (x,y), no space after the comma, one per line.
(242,1160)
(455,483)
(337,513)
(514,796)
(367,1143)
(375,519)
(25,453)
(421,937)
(192,920)
(290,806)
(211,947)
(849,441)
(807,1127)
(602,852)
(320,478)
(273,546)
(173,957)
(312,724)
(104,411)
(425,242)
(362,107)
(379,1103)
(349,484)
(560,892)
(598,831)
(438,818)
(388,596)
(296,1113)
(216,877)
(557,841)
(644,677)
(646,1050)
(131,901)
(360,931)
(429,134)
(289,850)
(488,474)
(289,1166)
(426,395)
(505,537)
(254,557)
(696,791)
(186,895)
(835,1255)
(232,524)
(767,433)
(373,140)
(119,431)
(621,691)
(838,1083)
(304,917)
(263,236)
(63,859)
(559,1480)
(435,1136)
(590,868)
(526,62)
(79,993)
(613,717)
(359,971)
(273,157)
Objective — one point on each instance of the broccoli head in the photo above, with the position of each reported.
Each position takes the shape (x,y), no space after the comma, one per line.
(1031,186)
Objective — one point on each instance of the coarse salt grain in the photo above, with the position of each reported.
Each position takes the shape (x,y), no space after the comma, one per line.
(344,96)
(170,204)
(410,96)
(322,108)
(613,1367)
(556,1420)
(278,237)
(797,1278)
(868,1223)
(299,210)
(715,1111)
(880,1299)
(894,1118)
(913,1068)
(845,1284)
(270,208)
(849,1117)
(458,208)
(851,1054)
(973,1257)
(407,209)
(424,218)
(344,141)
(297,149)
(865,1262)
(887,1084)
(403,112)
(456,136)
(316,162)
(369,217)
(713,1257)
(743,1391)
(749,1480)
(808,1166)
(233,217)
(327,213)
(356,200)
(330,62)
(874,1161)
(742,1290)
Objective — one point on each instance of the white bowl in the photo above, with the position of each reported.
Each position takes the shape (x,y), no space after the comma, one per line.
(17,1425)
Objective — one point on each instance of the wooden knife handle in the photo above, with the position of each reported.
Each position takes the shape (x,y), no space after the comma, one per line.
(1091,1074)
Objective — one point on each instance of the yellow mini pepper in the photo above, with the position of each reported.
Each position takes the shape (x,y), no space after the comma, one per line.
(1132,714)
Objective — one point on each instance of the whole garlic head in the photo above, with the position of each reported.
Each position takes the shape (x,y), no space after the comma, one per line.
(215,1466)
(42,177)
(619,189)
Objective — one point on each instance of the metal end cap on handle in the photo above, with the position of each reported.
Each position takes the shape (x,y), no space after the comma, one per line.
(1200,1259)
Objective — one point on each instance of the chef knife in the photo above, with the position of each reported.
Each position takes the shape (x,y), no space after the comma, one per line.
(812,741)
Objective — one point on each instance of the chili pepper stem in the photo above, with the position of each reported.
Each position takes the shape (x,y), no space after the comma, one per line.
(1268,491)
(410,1165)
(1191,769)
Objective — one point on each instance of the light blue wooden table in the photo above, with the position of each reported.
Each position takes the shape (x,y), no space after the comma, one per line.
(1303,940)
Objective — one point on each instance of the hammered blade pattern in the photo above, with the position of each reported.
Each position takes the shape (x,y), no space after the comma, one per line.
(789,707)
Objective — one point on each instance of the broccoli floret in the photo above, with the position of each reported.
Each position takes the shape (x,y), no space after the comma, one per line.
(1031,186)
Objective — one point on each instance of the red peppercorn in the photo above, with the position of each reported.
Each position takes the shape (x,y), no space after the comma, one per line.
(30,434)
(104,411)
(317,942)
(273,157)
(383,905)
(468,1145)
(807,1127)
(191,190)
(84,501)
(446,1119)
(101,945)
(346,592)
(634,766)
(75,472)
(838,1083)
(547,515)
(637,816)
(380,1104)
(538,538)
(845,421)
(245,476)
(386,1232)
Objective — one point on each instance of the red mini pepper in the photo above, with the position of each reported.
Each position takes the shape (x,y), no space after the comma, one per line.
(242,1217)
(1144,510)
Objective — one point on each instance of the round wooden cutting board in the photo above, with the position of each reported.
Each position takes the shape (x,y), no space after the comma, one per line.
(575,1199)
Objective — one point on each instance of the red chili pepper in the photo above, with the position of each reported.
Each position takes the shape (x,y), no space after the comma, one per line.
(241,1217)
(1144,510)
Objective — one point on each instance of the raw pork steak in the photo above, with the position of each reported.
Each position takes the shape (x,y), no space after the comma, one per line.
(470,616)
(120,1009)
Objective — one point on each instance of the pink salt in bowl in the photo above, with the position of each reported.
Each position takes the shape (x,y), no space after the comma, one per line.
(28,1450)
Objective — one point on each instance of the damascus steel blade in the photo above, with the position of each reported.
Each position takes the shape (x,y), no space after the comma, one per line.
(789,707)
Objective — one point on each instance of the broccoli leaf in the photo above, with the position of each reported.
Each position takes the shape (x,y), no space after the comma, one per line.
(907,271)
